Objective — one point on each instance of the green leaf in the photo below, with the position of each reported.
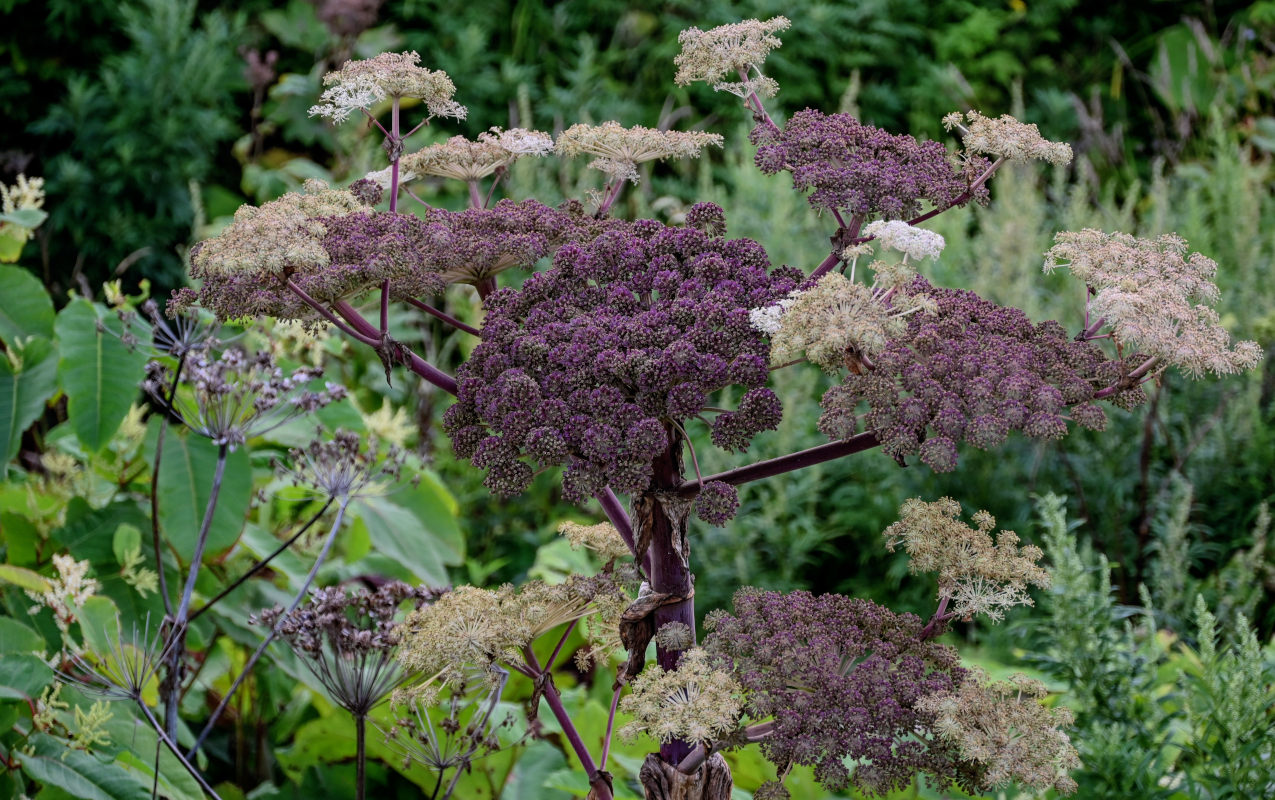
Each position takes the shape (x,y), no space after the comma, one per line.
(23,392)
(126,542)
(27,309)
(99,619)
(18,638)
(23,676)
(136,742)
(185,483)
(20,537)
(416,529)
(29,218)
(78,773)
(23,578)
(99,374)
(12,240)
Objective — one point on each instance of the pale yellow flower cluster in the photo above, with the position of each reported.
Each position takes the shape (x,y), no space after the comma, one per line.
(619,150)
(979,575)
(67,592)
(362,84)
(389,424)
(602,539)
(729,50)
(25,193)
(837,322)
(278,235)
(1006,138)
(1004,727)
(470,628)
(466,160)
(1156,298)
(697,702)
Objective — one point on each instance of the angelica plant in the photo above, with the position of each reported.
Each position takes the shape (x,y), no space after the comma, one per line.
(638,332)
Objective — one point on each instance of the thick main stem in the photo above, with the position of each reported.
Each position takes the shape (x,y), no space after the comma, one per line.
(173,680)
(660,519)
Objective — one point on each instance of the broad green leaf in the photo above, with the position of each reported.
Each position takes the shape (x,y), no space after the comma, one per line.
(18,638)
(529,780)
(415,528)
(80,774)
(185,483)
(26,309)
(136,741)
(127,540)
(30,218)
(99,374)
(99,624)
(23,578)
(12,240)
(24,392)
(23,676)
(20,537)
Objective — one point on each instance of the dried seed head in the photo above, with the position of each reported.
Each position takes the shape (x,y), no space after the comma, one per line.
(697,702)
(361,84)
(603,539)
(1006,138)
(1005,728)
(729,50)
(981,576)
(465,160)
(836,323)
(1155,297)
(619,150)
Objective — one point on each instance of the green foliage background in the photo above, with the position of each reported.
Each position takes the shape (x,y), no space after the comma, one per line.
(141,119)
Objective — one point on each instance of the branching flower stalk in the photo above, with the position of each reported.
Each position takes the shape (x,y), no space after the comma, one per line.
(319,560)
(596,364)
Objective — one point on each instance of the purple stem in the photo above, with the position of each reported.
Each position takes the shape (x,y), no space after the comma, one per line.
(445,317)
(613,192)
(495,181)
(601,791)
(940,616)
(793,461)
(159,451)
(374,121)
(180,619)
(394,137)
(475,195)
(330,317)
(758,107)
(415,363)
(606,740)
(553,657)
(1129,381)
(615,512)
(274,631)
(1094,328)
(385,307)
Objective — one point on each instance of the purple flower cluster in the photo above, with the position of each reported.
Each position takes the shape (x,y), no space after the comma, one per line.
(592,362)
(840,677)
(468,246)
(850,166)
(420,256)
(973,372)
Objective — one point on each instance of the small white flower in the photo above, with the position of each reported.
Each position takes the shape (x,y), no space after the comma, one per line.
(914,242)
